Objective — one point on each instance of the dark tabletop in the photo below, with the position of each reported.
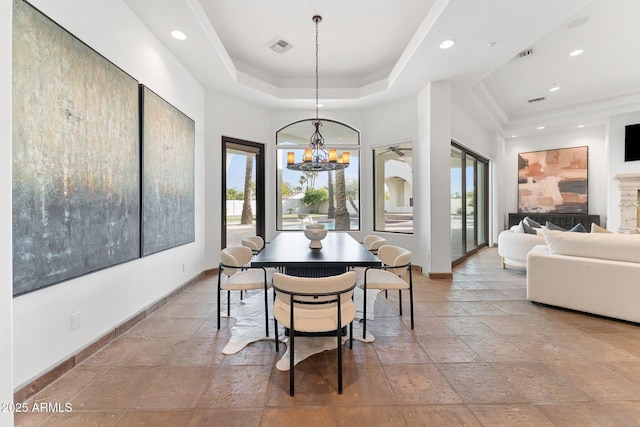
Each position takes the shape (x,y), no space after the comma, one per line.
(291,249)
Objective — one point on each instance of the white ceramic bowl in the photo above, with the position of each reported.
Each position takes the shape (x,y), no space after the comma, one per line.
(315,235)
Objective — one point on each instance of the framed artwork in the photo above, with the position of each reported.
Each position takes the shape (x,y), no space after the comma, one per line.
(76,156)
(168,175)
(554,181)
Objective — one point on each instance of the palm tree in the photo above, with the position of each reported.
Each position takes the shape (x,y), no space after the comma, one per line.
(342,214)
(331,213)
(247,214)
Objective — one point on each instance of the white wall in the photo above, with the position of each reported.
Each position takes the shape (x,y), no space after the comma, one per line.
(6,288)
(41,329)
(617,165)
(385,125)
(593,137)
(229,117)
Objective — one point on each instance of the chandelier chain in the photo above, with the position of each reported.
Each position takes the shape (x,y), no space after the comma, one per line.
(317,74)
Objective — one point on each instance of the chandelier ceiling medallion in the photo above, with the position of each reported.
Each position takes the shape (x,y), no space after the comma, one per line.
(316,157)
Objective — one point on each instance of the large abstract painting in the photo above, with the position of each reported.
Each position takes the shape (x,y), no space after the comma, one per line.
(76,156)
(554,181)
(168,205)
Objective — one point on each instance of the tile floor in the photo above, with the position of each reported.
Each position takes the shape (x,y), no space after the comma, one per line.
(480,354)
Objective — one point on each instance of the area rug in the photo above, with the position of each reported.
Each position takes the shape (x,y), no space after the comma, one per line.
(249,327)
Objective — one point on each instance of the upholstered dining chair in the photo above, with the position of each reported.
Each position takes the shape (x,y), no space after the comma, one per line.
(255,243)
(240,276)
(396,261)
(320,304)
(372,243)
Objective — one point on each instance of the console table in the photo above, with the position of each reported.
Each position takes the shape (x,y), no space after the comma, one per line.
(566,221)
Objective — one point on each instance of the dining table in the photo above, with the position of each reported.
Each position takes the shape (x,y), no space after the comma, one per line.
(290,253)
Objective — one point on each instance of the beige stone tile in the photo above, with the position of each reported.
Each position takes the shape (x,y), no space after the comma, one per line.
(510,415)
(595,379)
(420,384)
(477,383)
(448,350)
(399,350)
(583,414)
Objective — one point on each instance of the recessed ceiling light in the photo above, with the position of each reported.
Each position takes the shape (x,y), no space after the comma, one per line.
(447,44)
(540,127)
(576,52)
(514,136)
(179,35)
(580,126)
(554,89)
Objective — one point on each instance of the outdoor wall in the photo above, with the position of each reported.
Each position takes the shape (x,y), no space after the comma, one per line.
(593,137)
(6,288)
(225,116)
(41,322)
(617,165)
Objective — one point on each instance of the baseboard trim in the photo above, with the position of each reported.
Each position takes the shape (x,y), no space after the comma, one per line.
(48,377)
(441,276)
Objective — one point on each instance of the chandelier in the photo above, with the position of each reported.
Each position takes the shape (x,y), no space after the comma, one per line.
(317,157)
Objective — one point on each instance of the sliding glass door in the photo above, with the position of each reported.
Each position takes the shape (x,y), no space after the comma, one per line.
(469,203)
(242,191)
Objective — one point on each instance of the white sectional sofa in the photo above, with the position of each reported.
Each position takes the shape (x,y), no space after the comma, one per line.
(590,272)
(513,247)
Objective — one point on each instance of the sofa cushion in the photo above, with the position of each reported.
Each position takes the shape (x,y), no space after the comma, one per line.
(597,229)
(616,247)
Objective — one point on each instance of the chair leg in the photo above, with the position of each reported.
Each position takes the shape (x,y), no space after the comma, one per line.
(228,303)
(411,295)
(339,335)
(364,312)
(400,300)
(291,349)
(275,329)
(351,335)
(266,312)
(219,274)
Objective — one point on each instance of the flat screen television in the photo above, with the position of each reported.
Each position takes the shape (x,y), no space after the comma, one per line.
(632,142)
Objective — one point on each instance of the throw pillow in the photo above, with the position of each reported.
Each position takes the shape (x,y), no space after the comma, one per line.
(577,228)
(597,229)
(527,229)
(532,223)
(551,226)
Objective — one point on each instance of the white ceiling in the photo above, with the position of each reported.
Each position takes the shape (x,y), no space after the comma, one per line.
(375,51)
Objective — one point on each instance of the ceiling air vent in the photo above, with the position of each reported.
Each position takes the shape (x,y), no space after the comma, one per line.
(279,45)
(525,53)
(531,101)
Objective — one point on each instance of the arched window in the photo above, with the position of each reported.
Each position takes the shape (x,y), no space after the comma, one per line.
(331,197)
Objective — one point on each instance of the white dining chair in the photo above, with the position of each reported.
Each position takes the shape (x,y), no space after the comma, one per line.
(255,243)
(240,276)
(372,243)
(396,262)
(320,304)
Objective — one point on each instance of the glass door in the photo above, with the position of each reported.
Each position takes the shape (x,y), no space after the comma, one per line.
(469,203)
(242,191)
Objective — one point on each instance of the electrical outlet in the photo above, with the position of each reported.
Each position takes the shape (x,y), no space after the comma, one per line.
(76,320)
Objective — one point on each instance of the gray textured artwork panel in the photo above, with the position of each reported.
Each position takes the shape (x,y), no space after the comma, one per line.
(76,156)
(168,207)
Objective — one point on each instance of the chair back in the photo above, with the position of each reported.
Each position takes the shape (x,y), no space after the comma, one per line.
(373,242)
(318,291)
(255,243)
(235,256)
(393,256)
